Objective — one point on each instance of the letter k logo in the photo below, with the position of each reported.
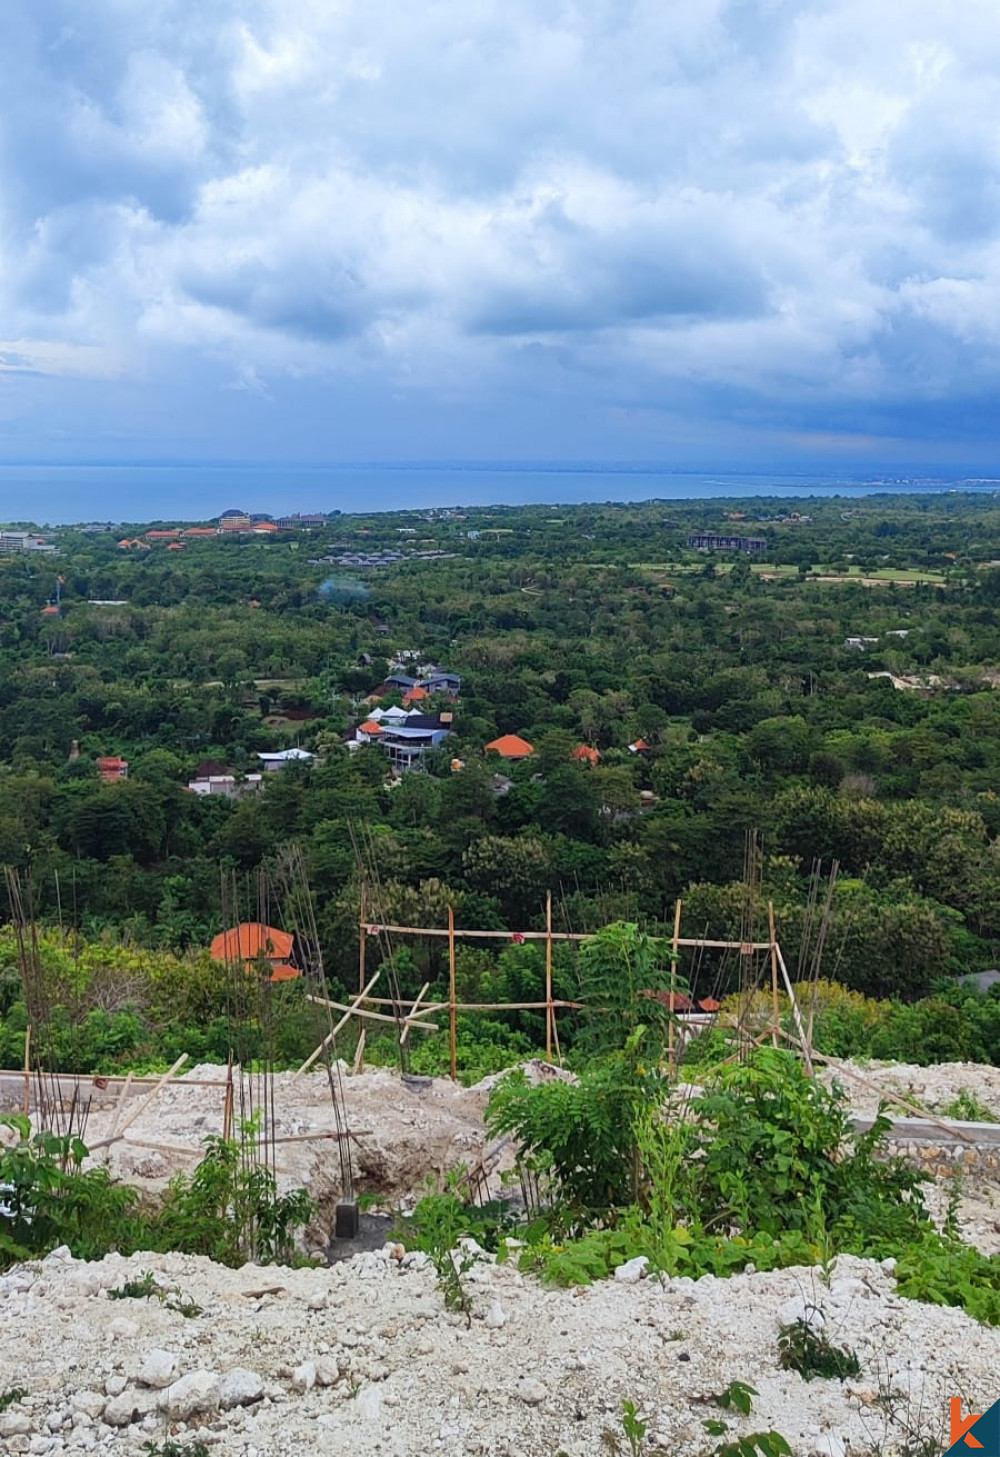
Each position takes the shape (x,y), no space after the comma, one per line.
(960,1428)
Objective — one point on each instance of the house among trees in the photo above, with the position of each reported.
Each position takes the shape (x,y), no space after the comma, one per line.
(111,768)
(405,736)
(283,757)
(511,747)
(254,944)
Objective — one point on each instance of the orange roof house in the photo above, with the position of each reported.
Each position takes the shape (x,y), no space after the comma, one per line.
(587,755)
(111,768)
(511,746)
(200,531)
(415,695)
(370,727)
(252,940)
(176,546)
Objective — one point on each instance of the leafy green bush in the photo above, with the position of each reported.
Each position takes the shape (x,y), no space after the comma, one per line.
(49,1199)
(228,1208)
(585,1129)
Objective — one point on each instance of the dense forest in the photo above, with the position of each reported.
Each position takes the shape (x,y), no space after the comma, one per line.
(834,690)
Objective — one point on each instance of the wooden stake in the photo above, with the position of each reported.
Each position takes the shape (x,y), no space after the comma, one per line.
(776,1014)
(340,1025)
(550,1015)
(359,1053)
(674,945)
(452,1019)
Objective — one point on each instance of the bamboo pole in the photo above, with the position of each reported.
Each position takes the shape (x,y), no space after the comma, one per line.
(150,1098)
(452,1011)
(886,1095)
(674,945)
(796,1014)
(357,1011)
(405,1034)
(550,1015)
(775,1011)
(359,1052)
(126,1085)
(692,942)
(339,1027)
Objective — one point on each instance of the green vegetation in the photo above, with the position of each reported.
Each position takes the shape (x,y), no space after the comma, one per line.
(811,1353)
(228,1209)
(597,627)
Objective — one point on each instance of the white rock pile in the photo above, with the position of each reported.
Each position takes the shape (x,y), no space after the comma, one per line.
(362,1358)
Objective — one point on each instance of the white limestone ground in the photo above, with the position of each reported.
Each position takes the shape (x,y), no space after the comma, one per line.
(362,1358)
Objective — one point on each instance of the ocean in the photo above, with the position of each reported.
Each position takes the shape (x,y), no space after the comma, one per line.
(61,494)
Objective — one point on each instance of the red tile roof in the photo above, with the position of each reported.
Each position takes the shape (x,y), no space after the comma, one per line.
(250,940)
(511,746)
(587,755)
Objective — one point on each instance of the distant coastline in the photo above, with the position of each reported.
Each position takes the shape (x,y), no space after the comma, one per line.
(60,495)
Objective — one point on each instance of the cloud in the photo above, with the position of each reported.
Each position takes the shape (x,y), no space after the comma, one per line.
(781,212)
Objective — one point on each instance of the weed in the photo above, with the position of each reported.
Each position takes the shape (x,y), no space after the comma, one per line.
(143,1288)
(170,1448)
(437,1227)
(967,1108)
(146,1288)
(634,1430)
(12,1394)
(737,1394)
(811,1353)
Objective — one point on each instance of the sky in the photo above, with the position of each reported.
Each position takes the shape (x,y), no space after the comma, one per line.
(705,232)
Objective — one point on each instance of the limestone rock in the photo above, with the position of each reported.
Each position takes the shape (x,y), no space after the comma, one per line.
(240,1387)
(193,1395)
(159,1369)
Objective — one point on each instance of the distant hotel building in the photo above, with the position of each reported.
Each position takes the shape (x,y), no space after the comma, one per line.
(18,541)
(235,521)
(715,541)
(297,521)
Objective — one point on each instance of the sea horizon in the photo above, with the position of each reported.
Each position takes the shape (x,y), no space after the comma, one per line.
(64,494)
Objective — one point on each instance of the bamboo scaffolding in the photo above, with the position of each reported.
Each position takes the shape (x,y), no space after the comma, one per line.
(695,942)
(146,1103)
(405,1034)
(331,1035)
(357,1011)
